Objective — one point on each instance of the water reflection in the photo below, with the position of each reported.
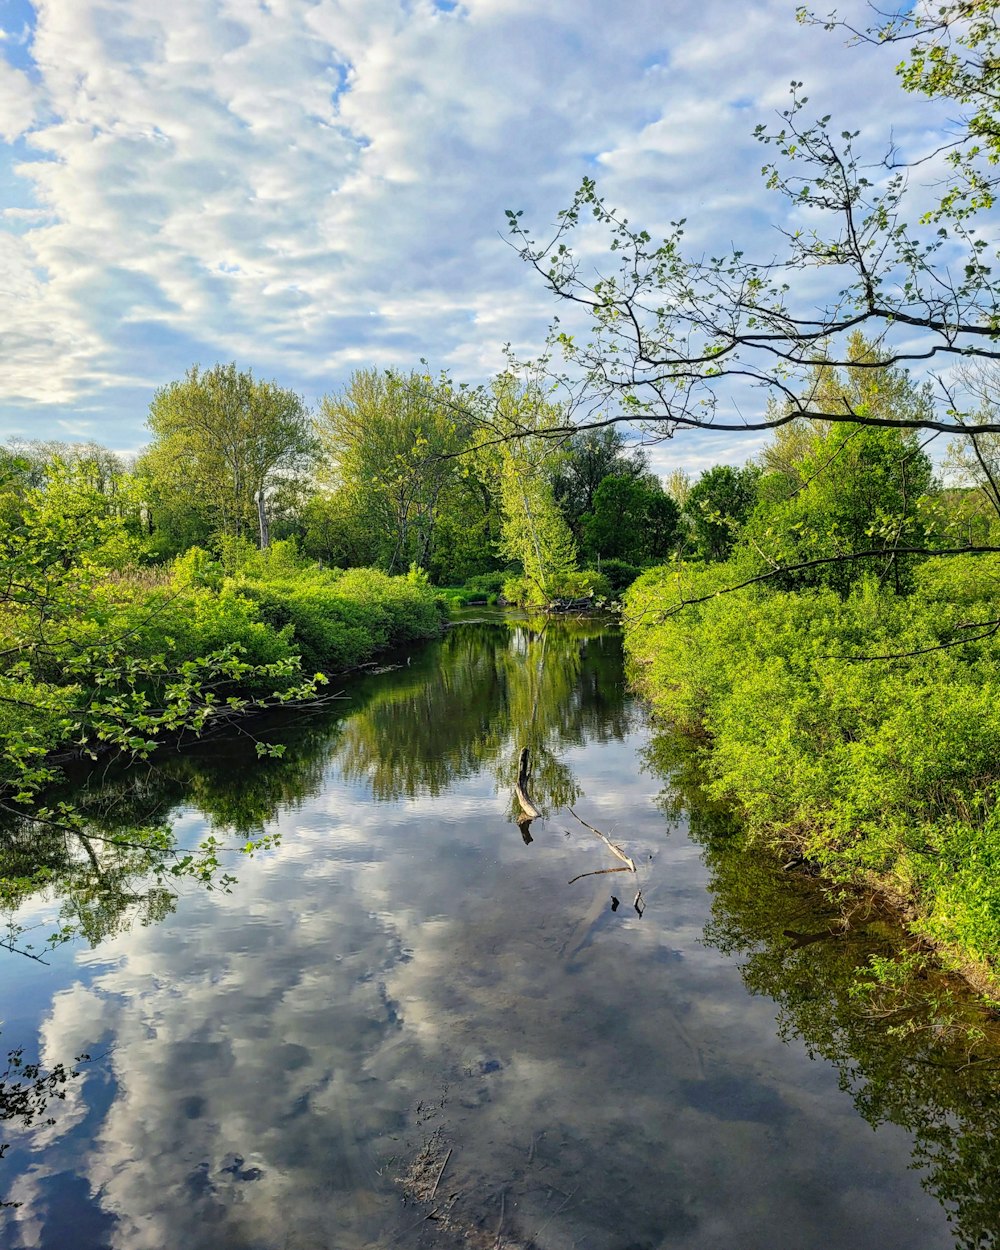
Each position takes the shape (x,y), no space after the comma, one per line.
(402,1009)
(471,705)
(920,1052)
(461,706)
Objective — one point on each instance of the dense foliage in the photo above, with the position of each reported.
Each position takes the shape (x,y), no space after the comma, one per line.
(848,727)
(102,653)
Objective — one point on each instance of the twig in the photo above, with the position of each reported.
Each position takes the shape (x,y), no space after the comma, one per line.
(440,1174)
(558,1211)
(615,850)
(503,1204)
(599,872)
(431,1215)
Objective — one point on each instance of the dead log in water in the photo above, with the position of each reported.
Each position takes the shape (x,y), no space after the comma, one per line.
(615,850)
(529,810)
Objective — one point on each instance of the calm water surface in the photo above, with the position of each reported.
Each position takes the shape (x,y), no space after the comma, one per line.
(404,1026)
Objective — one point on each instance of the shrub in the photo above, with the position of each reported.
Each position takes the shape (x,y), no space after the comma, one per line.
(887,766)
(619,575)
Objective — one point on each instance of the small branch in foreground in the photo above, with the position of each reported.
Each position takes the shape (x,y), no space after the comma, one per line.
(598,872)
(615,850)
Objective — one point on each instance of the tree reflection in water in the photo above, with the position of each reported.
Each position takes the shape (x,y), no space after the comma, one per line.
(906,1052)
(469,702)
(474,703)
(919,1051)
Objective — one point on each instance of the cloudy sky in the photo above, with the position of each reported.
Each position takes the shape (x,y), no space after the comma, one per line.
(313,186)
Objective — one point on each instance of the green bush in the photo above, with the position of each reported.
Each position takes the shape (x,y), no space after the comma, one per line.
(843,725)
(525,593)
(340,619)
(619,574)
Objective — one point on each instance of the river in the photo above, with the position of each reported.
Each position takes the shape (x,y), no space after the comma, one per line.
(408,1022)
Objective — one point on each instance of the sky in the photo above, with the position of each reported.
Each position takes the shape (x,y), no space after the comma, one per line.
(310,187)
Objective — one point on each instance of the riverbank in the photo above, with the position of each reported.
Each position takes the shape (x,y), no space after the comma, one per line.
(146,653)
(861,734)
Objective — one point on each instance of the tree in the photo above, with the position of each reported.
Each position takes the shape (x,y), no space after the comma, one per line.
(832,490)
(677,340)
(718,505)
(975,458)
(633,519)
(853,491)
(223,444)
(517,463)
(389,442)
(535,532)
(586,460)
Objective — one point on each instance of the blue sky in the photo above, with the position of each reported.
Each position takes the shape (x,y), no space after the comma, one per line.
(314,186)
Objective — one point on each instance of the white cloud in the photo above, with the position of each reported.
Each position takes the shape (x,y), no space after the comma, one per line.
(17,102)
(312,185)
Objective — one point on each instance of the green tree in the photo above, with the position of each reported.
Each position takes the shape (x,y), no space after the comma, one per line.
(633,519)
(225,445)
(586,460)
(389,445)
(718,506)
(836,491)
(518,464)
(856,491)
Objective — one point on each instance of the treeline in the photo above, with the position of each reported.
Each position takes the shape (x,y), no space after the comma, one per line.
(398,470)
(479,486)
(837,681)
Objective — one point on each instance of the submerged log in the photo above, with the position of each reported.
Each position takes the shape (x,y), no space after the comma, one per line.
(529,810)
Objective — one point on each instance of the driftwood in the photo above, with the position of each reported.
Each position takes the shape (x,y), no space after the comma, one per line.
(529,810)
(615,850)
(584,603)
(598,872)
(441,1173)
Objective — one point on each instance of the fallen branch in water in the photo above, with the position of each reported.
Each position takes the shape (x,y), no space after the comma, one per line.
(598,872)
(615,850)
(440,1174)
(503,1204)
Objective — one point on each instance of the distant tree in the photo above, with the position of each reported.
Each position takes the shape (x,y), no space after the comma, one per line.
(633,519)
(223,444)
(678,486)
(858,490)
(517,466)
(975,458)
(388,451)
(837,491)
(586,460)
(718,505)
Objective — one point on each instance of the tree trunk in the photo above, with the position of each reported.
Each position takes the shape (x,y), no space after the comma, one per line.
(265,533)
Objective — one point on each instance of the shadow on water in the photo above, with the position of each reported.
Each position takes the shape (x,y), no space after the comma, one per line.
(405,1022)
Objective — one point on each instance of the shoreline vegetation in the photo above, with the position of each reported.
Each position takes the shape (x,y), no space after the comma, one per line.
(844,699)
(847,732)
(273,633)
